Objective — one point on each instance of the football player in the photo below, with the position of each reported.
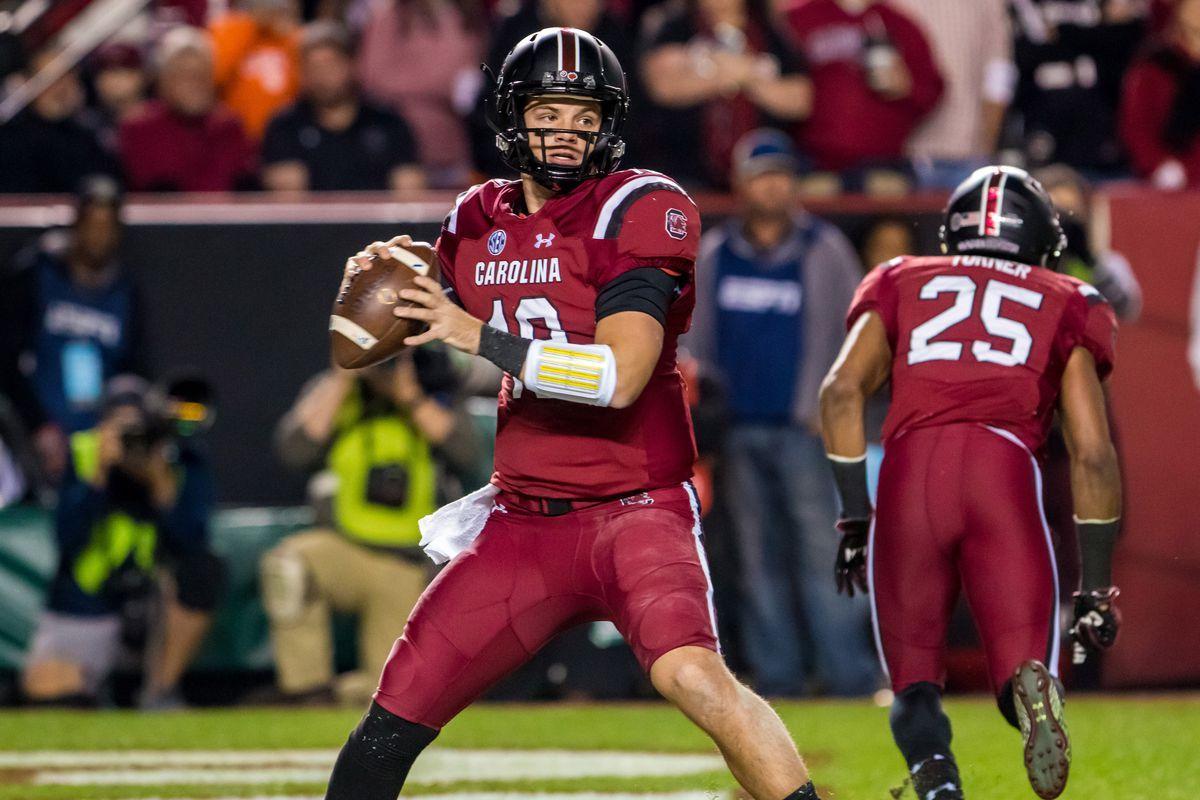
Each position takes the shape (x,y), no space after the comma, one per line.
(982,346)
(575,280)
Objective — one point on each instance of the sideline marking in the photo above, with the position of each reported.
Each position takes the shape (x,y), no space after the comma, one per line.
(143,768)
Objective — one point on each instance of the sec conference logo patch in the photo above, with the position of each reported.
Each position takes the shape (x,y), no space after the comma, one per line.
(676,224)
(496,242)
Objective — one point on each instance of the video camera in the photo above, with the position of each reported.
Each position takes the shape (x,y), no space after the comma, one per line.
(176,409)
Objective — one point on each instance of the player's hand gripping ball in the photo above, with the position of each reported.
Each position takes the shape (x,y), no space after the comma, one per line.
(363,327)
(1097,622)
(851,567)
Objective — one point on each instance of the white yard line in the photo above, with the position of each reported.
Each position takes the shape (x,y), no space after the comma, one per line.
(180,777)
(144,768)
(41,759)
(500,796)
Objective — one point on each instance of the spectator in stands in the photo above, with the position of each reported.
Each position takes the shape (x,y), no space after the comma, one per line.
(120,85)
(713,70)
(54,143)
(886,238)
(1160,108)
(377,435)
(972,43)
(774,284)
(1071,56)
(184,141)
(69,321)
(874,79)
(1099,265)
(137,498)
(183,12)
(445,37)
(331,138)
(521,19)
(256,60)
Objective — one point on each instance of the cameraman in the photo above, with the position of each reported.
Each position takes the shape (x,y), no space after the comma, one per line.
(135,496)
(379,435)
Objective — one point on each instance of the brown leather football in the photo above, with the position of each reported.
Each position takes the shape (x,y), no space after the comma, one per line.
(362,328)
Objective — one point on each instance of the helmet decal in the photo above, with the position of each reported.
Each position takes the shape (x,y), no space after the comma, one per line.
(1002,211)
(568,51)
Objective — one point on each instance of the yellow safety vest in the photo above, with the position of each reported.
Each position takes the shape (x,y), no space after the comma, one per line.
(362,443)
(114,539)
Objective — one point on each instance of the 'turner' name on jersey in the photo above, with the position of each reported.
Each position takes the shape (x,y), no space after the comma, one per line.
(998,264)
(535,270)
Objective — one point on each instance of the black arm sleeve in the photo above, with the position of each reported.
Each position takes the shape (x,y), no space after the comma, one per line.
(1096,543)
(649,290)
(504,349)
(851,480)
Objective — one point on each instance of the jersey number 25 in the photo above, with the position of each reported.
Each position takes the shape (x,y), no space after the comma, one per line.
(922,348)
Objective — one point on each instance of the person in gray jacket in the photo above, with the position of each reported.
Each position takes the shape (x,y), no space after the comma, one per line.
(774,283)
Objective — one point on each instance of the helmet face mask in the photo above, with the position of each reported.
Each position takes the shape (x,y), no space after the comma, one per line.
(575,65)
(1003,212)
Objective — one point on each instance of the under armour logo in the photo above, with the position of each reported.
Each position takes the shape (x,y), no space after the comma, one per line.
(543,240)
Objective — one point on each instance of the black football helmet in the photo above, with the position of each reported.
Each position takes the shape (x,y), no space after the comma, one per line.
(559,61)
(1003,212)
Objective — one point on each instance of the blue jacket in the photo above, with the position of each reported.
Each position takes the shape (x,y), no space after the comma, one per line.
(765,316)
(59,342)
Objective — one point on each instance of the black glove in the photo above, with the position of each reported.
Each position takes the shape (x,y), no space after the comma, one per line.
(1097,622)
(851,567)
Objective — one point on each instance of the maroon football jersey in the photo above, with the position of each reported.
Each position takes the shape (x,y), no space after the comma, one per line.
(537,276)
(978,339)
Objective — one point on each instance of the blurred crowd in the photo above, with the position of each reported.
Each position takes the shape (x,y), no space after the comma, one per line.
(123,466)
(125,469)
(878,96)
(772,102)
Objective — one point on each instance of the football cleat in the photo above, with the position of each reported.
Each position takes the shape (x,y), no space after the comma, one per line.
(1039,712)
(937,778)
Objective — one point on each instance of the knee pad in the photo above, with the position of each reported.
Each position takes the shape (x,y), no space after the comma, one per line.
(920,727)
(199,580)
(375,760)
(286,585)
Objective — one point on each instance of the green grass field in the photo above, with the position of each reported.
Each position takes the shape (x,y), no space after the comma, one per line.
(1144,748)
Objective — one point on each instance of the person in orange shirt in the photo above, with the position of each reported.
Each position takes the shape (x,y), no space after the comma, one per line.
(257,59)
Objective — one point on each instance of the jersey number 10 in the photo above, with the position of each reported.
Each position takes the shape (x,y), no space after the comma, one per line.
(529,309)
(921,348)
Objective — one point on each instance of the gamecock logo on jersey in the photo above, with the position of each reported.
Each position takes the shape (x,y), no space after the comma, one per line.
(676,224)
(496,242)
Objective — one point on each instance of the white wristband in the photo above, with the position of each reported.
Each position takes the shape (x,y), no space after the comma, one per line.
(577,373)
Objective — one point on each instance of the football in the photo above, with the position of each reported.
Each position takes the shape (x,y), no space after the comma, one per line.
(362,328)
